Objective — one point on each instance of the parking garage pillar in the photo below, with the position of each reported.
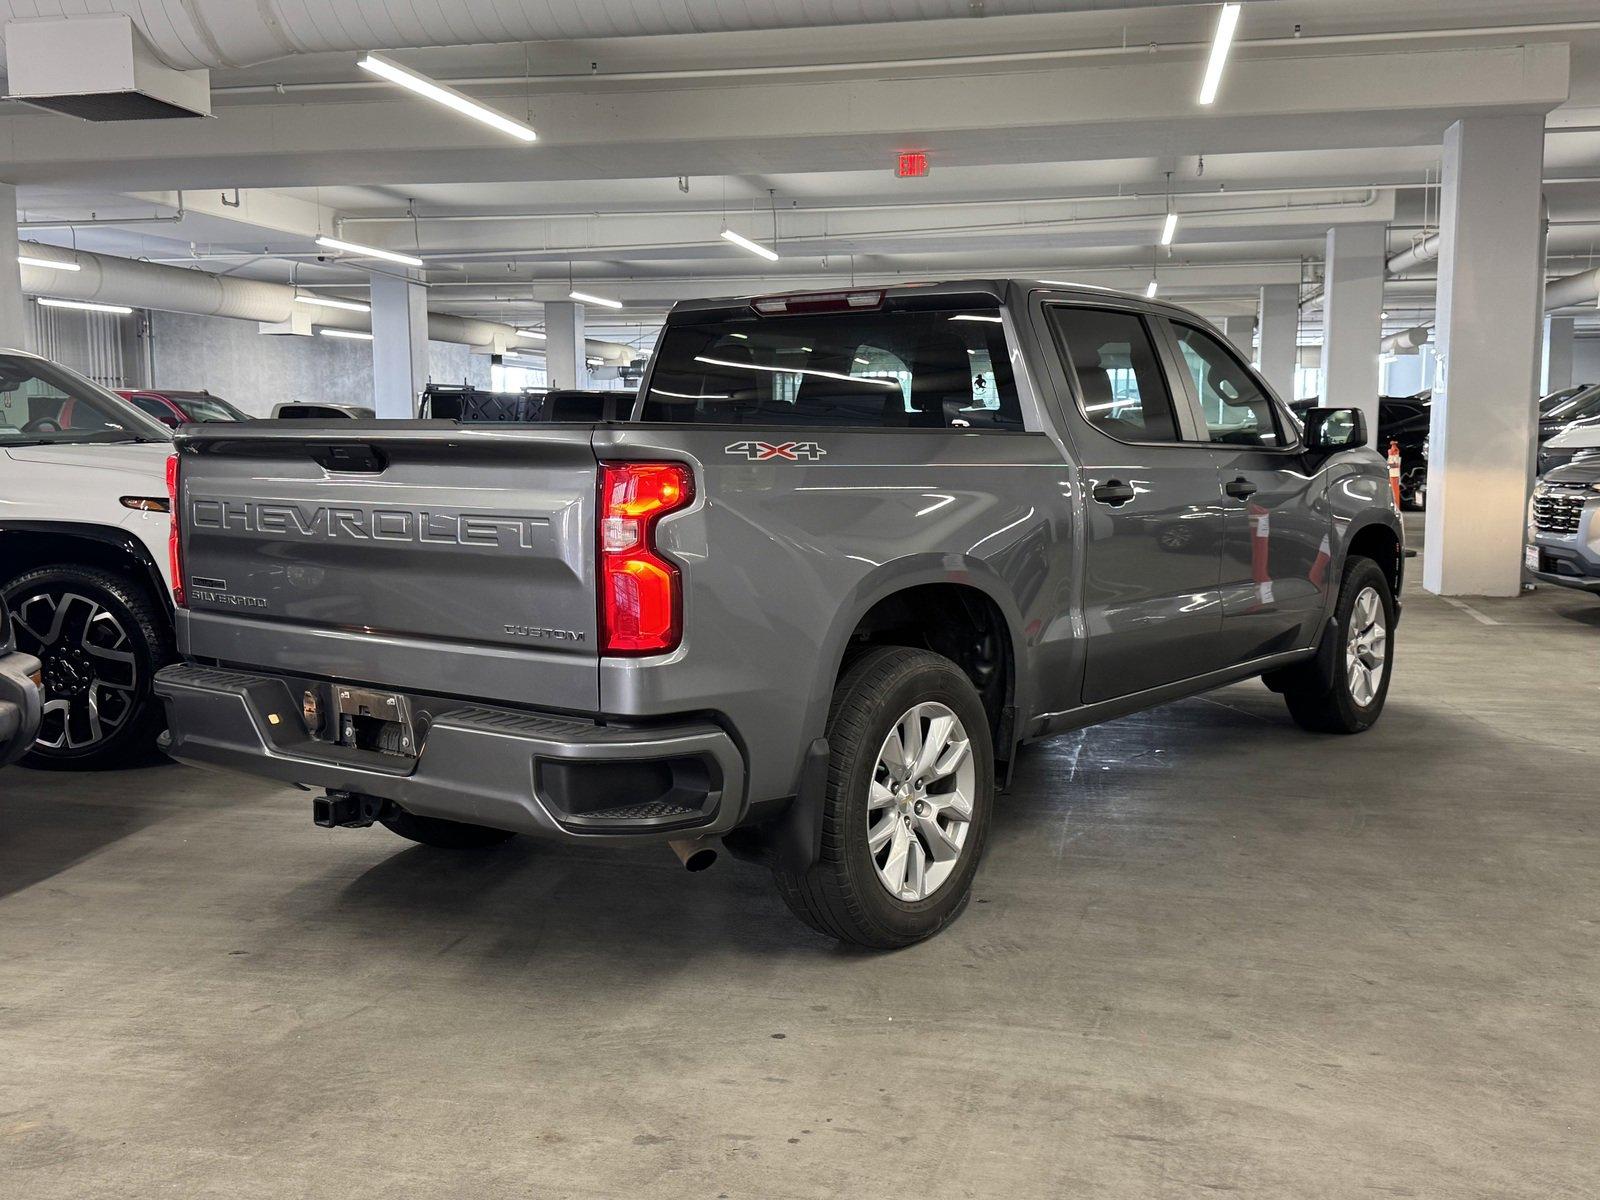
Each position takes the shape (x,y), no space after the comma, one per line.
(399,346)
(1491,298)
(565,359)
(1352,318)
(1556,369)
(1241,332)
(1279,320)
(14,329)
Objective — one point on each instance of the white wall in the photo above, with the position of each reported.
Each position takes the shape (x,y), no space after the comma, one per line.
(255,371)
(1586,360)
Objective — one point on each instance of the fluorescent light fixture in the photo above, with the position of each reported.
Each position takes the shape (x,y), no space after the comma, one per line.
(531,333)
(354,335)
(1169,229)
(1227,22)
(738,239)
(333,302)
(863,362)
(743,337)
(409,260)
(48,264)
(586,298)
(120,310)
(1150,290)
(722,362)
(1384,315)
(447,96)
(975,317)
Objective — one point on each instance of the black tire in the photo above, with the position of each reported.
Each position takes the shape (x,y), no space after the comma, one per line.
(841,895)
(436,831)
(145,633)
(1324,709)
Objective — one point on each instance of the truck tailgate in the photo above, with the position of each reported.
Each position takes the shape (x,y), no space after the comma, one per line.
(412,555)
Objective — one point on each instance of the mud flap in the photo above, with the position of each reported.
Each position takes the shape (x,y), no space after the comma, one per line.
(795,838)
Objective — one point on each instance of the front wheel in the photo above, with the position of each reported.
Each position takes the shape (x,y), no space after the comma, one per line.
(907,803)
(101,637)
(1363,657)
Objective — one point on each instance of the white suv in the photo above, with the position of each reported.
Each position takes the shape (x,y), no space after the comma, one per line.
(83,559)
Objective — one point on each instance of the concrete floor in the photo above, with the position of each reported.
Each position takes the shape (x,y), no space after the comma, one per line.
(1208,953)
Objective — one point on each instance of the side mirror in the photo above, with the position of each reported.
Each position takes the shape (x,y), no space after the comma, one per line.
(1329,430)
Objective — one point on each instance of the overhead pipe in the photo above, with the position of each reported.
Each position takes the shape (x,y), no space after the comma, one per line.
(1582,288)
(1425,250)
(107,279)
(1407,341)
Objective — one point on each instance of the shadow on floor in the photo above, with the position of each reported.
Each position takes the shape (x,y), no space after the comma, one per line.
(51,820)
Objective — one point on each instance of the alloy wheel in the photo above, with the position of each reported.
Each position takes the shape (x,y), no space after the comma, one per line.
(91,672)
(919,811)
(1366,647)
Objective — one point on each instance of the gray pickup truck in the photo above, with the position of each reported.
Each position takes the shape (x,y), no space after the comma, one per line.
(848,553)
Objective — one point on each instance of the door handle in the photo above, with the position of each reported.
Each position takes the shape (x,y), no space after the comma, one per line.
(1113,492)
(1240,489)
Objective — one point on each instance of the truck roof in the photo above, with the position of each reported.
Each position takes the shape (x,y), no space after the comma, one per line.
(996,288)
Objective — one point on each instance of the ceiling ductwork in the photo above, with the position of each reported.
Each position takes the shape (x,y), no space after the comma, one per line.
(106,279)
(1582,288)
(193,34)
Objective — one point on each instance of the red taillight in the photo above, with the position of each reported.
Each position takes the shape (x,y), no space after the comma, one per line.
(641,596)
(174,542)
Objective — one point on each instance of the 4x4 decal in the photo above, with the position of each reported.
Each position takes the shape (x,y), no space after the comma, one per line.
(762,451)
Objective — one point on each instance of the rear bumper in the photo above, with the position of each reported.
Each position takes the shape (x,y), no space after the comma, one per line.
(553,777)
(20,705)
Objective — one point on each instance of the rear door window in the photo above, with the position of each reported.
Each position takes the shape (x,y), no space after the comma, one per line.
(1121,388)
(891,369)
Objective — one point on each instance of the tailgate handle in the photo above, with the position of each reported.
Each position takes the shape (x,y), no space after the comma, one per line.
(347,456)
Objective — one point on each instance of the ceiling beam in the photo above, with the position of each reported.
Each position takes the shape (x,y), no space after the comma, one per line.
(1060,113)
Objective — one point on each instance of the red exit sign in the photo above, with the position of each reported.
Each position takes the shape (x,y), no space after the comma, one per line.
(912,164)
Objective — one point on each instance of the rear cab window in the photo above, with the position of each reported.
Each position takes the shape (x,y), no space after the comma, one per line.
(935,363)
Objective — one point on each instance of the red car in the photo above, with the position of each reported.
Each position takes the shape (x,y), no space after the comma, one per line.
(174,408)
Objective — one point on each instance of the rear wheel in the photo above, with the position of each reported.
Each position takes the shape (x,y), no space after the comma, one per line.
(101,638)
(907,803)
(1362,660)
(436,831)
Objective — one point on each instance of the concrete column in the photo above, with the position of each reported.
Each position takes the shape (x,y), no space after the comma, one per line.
(1241,332)
(1556,370)
(1352,321)
(1491,298)
(565,352)
(399,346)
(15,330)
(1280,336)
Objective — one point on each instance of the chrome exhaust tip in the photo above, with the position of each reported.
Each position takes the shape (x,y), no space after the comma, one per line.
(696,854)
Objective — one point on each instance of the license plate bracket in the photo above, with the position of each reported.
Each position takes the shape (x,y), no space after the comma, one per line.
(375,721)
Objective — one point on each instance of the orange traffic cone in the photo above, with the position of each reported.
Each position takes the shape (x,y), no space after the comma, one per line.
(1394,472)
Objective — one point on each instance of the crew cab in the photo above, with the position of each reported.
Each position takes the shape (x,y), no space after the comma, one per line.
(83,559)
(846,555)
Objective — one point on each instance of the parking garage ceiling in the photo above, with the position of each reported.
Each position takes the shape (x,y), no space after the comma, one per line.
(1054,146)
